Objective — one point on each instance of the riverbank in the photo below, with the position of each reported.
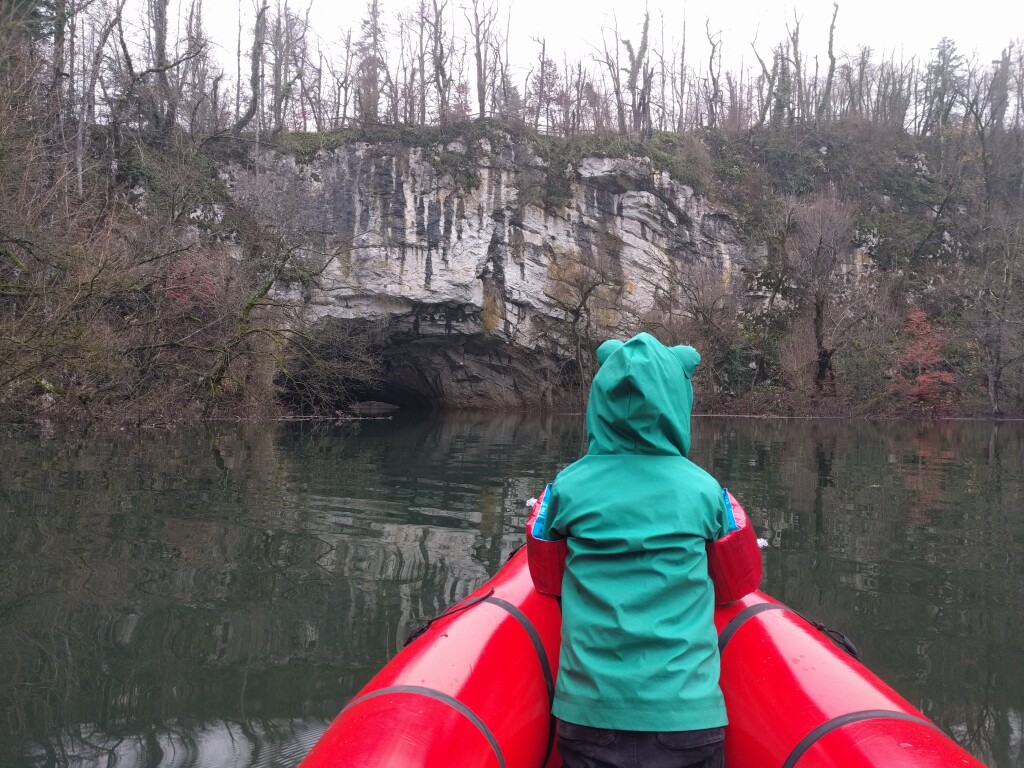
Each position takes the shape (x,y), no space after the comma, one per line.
(457,283)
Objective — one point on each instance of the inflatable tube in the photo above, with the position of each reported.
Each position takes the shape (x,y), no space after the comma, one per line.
(476,689)
(834,711)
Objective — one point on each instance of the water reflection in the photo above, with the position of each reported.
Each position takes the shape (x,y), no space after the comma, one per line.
(909,538)
(165,595)
(213,597)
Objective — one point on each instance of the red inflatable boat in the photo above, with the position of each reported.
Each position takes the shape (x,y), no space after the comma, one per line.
(475,688)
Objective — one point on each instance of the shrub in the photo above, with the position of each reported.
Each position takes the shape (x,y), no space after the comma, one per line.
(921,380)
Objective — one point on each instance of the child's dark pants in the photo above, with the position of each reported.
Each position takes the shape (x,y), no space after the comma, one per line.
(585,747)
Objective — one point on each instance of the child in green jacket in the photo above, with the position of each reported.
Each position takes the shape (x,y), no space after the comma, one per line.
(638,677)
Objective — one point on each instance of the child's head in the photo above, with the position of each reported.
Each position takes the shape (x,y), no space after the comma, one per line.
(641,397)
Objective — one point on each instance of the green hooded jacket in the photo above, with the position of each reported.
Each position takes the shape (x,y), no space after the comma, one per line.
(639,648)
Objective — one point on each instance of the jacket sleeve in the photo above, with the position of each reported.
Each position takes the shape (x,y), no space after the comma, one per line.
(552,528)
(722,521)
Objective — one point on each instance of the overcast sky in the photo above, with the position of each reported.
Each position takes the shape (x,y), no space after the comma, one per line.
(907,27)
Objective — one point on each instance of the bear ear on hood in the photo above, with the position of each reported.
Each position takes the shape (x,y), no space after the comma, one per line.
(605,350)
(688,356)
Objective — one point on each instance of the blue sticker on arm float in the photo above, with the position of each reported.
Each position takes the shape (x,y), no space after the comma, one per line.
(733,525)
(538,524)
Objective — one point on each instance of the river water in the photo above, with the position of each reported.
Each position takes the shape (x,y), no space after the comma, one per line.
(212,597)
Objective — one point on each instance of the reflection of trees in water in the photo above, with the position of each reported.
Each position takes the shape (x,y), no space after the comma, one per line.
(240,577)
(920,461)
(907,537)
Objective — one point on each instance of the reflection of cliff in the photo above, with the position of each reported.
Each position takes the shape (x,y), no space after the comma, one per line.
(241,574)
(249,744)
(908,538)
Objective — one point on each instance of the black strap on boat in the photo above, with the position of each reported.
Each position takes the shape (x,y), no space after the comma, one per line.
(451,701)
(459,606)
(542,657)
(531,632)
(837,637)
(741,618)
(838,722)
(534,635)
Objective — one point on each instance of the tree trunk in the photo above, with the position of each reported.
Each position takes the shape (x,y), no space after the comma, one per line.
(824,369)
(254,73)
(993,393)
(825,105)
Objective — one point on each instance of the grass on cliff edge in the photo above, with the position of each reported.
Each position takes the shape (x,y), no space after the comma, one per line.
(684,157)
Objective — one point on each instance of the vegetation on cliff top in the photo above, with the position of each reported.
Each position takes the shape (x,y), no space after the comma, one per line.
(887,198)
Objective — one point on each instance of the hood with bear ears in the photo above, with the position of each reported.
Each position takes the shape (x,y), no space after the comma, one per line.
(641,398)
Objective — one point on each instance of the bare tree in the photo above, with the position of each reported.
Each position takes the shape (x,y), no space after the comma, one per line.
(197,81)
(767,86)
(985,99)
(423,51)
(481,29)
(825,103)
(255,70)
(587,295)
(541,86)
(610,59)
(639,81)
(372,71)
(342,77)
(87,111)
(407,89)
(506,100)
(288,60)
(713,95)
(697,304)
(994,313)
(679,79)
(442,46)
(830,289)
(799,84)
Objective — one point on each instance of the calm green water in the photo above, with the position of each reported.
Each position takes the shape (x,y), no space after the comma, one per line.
(213,597)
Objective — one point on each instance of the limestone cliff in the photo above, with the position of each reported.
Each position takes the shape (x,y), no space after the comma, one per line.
(491,273)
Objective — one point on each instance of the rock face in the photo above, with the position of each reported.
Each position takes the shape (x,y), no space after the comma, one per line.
(491,274)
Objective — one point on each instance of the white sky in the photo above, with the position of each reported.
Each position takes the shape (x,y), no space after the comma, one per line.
(907,27)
